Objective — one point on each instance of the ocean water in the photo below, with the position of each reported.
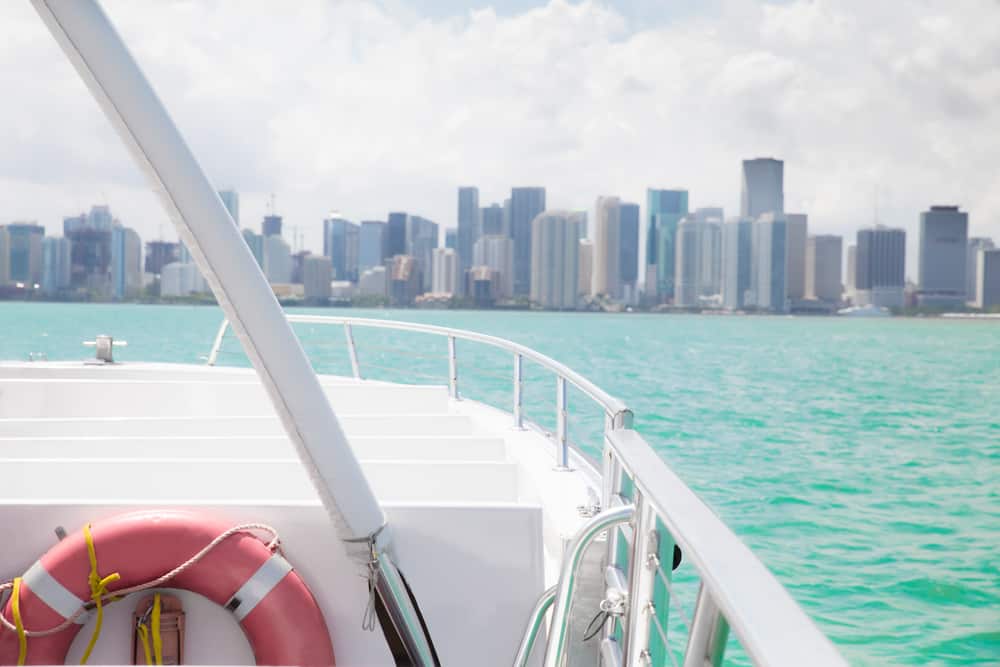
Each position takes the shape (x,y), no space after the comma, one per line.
(860,459)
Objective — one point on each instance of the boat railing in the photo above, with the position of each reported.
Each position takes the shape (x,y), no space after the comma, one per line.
(736,593)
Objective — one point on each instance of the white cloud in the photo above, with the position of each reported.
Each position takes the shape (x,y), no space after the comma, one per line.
(367,107)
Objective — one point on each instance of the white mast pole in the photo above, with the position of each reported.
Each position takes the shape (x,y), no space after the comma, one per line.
(204,225)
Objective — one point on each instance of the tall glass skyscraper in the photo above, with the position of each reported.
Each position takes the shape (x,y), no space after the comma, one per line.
(664,210)
(341,245)
(395,240)
(737,262)
(943,255)
(880,266)
(628,249)
(469,227)
(372,244)
(525,205)
(763,187)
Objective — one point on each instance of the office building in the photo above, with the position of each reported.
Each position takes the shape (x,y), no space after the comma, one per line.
(277,260)
(469,225)
(850,280)
(824,253)
(374,282)
(55,265)
(126,262)
(943,253)
(404,280)
(664,210)
(497,252)
(628,250)
(4,256)
(90,250)
(481,285)
(395,239)
(181,279)
(492,218)
(763,187)
(586,262)
(24,252)
(973,247)
(988,276)
(555,248)
(445,271)
(525,205)
(880,264)
(451,238)
(231,200)
(710,221)
(797,233)
(317,273)
(769,277)
(341,244)
(371,244)
(606,280)
(159,254)
(421,240)
(271,226)
(687,262)
(256,244)
(737,262)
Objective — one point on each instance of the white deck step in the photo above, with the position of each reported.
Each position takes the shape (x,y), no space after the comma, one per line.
(425,448)
(247,481)
(388,423)
(194,398)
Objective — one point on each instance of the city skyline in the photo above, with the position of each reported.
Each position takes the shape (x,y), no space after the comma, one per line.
(889,120)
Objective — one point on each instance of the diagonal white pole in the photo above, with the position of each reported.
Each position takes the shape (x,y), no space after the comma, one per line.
(114,78)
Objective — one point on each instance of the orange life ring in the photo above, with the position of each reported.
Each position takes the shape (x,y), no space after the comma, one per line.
(275,608)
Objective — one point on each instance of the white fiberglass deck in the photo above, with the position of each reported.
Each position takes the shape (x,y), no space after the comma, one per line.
(479,514)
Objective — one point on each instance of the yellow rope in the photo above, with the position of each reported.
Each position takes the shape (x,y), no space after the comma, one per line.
(144,633)
(144,636)
(22,639)
(98,587)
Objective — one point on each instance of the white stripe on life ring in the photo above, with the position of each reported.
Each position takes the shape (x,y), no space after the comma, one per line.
(54,594)
(256,588)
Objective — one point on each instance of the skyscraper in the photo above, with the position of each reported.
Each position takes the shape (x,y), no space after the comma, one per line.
(973,247)
(496,251)
(555,248)
(395,241)
(710,250)
(737,262)
(317,272)
(341,243)
(763,187)
(525,205)
(371,244)
(823,261)
(277,260)
(271,226)
(988,277)
(880,264)
(664,210)
(492,219)
(628,251)
(90,249)
(445,278)
(586,270)
(607,254)
(4,256)
(451,238)
(770,270)
(55,265)
(25,252)
(943,252)
(850,280)
(159,254)
(686,262)
(797,228)
(126,262)
(421,239)
(469,225)
(231,200)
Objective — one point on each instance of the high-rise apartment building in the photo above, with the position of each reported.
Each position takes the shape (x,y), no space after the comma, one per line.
(555,250)
(371,244)
(126,262)
(973,247)
(763,187)
(317,272)
(55,265)
(277,260)
(525,205)
(451,239)
(341,244)
(850,280)
(496,251)
(988,277)
(445,271)
(395,242)
(24,252)
(687,262)
(737,262)
(606,279)
(90,250)
(421,240)
(628,251)
(664,210)
(797,233)
(770,276)
(586,270)
(880,265)
(824,253)
(404,280)
(231,200)
(469,225)
(492,217)
(943,253)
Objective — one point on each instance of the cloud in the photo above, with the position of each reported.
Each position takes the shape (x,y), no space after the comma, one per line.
(365,107)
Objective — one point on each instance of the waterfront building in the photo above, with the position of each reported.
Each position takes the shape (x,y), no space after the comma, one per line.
(231,200)
(586,262)
(256,244)
(24,252)
(373,282)
(317,273)
(445,271)
(555,248)
(823,263)
(686,263)
(973,247)
(737,262)
(943,253)
(850,280)
(371,244)
(469,225)
(421,240)
(988,275)
(55,265)
(606,280)
(492,218)
(159,254)
(710,221)
(497,252)
(526,204)
(404,280)
(797,233)
(181,279)
(880,265)
(481,285)
(763,187)
(271,226)
(769,276)
(628,250)
(395,241)
(90,250)
(126,262)
(277,260)
(341,244)
(664,210)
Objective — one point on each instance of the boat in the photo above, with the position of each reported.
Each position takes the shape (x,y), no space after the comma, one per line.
(871,310)
(160,513)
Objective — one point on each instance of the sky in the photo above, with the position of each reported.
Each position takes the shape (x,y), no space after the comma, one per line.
(878,109)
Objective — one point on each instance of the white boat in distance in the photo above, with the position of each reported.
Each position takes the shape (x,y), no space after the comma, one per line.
(178,514)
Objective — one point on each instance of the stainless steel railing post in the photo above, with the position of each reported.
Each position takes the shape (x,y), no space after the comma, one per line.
(452,368)
(641,577)
(355,367)
(518,388)
(535,621)
(562,418)
(709,632)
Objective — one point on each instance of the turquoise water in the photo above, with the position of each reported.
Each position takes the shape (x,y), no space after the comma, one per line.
(860,459)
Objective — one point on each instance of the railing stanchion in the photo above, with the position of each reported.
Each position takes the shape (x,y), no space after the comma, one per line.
(709,632)
(641,578)
(355,367)
(562,418)
(518,379)
(452,369)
